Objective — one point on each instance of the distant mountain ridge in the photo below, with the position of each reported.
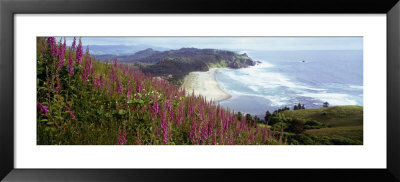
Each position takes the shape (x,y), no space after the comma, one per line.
(175,64)
(118,50)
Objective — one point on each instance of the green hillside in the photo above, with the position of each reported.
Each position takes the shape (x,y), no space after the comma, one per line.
(343,124)
(333,116)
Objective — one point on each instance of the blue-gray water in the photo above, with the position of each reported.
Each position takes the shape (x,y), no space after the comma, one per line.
(286,78)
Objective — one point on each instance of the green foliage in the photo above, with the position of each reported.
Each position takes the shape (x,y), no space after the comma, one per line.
(296,126)
(334,116)
(312,124)
(308,139)
(278,118)
(340,125)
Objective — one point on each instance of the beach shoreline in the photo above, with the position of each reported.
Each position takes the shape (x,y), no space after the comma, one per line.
(205,84)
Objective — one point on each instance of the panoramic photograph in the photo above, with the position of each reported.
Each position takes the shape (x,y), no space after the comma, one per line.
(199,91)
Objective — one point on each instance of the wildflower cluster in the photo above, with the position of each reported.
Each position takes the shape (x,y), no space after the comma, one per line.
(91,102)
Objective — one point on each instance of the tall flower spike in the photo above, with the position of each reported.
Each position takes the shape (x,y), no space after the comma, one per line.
(73,44)
(60,55)
(164,126)
(43,108)
(120,88)
(70,112)
(79,52)
(65,45)
(122,136)
(70,64)
(58,84)
(52,45)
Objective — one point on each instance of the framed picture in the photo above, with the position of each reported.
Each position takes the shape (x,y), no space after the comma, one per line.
(148,90)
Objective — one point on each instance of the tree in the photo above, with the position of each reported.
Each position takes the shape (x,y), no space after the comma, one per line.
(239,116)
(295,107)
(267,116)
(248,118)
(296,126)
(302,107)
(326,104)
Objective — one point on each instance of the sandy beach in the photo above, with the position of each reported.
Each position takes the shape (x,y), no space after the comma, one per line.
(204,83)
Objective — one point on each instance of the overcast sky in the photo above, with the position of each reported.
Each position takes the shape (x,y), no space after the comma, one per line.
(243,43)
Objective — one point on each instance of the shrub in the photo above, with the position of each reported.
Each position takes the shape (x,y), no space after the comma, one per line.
(296,126)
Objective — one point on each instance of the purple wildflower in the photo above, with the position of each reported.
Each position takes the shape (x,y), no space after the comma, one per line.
(74,44)
(115,62)
(155,108)
(181,109)
(113,74)
(120,88)
(53,47)
(70,64)
(85,75)
(60,55)
(96,83)
(139,87)
(86,71)
(58,85)
(138,138)
(164,126)
(65,45)
(122,136)
(70,112)
(128,91)
(79,52)
(169,106)
(43,108)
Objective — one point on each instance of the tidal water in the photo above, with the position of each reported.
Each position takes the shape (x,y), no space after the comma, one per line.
(286,78)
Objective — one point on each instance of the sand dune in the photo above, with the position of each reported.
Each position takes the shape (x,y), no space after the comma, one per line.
(204,83)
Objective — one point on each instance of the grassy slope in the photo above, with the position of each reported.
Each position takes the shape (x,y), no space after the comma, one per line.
(346,121)
(335,116)
(352,132)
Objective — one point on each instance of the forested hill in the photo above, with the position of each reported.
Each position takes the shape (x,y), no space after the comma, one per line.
(175,64)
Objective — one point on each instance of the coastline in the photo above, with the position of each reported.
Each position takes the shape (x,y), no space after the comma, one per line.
(205,84)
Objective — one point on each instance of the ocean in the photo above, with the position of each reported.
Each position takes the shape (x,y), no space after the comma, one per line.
(286,78)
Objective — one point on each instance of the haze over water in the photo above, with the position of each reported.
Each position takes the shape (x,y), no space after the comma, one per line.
(285,78)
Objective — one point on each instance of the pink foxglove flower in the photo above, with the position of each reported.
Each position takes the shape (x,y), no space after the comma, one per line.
(164,126)
(138,141)
(73,44)
(120,88)
(52,45)
(70,64)
(43,109)
(122,136)
(58,85)
(169,106)
(70,112)
(79,53)
(60,55)
(64,45)
(155,108)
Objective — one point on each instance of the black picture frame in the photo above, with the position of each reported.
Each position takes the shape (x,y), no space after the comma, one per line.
(9,8)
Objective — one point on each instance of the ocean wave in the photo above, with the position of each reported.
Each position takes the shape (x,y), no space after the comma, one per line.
(265,81)
(332,98)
